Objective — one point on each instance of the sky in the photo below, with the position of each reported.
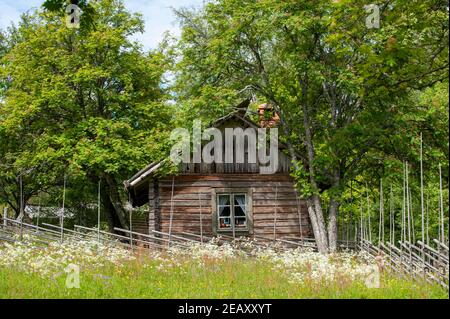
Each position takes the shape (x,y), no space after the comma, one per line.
(157,14)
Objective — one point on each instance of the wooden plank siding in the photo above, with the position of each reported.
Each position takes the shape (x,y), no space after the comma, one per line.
(140,223)
(270,194)
(292,215)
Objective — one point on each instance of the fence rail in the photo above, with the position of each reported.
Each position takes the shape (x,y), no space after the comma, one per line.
(417,261)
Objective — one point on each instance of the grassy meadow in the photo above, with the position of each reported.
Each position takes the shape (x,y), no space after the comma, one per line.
(204,271)
(217,280)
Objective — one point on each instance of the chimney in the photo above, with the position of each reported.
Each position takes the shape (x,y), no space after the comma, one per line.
(267,116)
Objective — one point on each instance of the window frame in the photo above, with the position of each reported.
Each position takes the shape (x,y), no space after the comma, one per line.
(232,216)
(239,231)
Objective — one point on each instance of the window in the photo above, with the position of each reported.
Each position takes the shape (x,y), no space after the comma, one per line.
(232,207)
(231,210)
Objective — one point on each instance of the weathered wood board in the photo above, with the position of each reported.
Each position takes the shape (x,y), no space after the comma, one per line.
(273,197)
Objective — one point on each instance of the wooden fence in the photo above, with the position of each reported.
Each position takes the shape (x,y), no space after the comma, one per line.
(419,261)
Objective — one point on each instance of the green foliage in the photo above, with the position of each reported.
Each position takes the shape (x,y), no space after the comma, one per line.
(87,19)
(85,103)
(352,100)
(364,94)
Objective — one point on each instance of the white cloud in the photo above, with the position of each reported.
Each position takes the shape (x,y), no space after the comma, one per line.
(157,14)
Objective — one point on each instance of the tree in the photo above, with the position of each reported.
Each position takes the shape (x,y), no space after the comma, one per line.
(87,19)
(86,103)
(336,84)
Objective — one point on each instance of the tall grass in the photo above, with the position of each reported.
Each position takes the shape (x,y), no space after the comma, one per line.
(224,278)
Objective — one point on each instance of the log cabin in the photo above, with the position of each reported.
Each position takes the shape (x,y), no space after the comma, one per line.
(232,199)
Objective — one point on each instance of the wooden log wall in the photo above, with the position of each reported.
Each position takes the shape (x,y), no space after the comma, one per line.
(270,193)
(140,223)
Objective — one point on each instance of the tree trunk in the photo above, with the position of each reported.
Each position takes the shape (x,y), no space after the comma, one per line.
(318,228)
(332,225)
(114,199)
(320,220)
(334,210)
(16,212)
(315,205)
(110,213)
